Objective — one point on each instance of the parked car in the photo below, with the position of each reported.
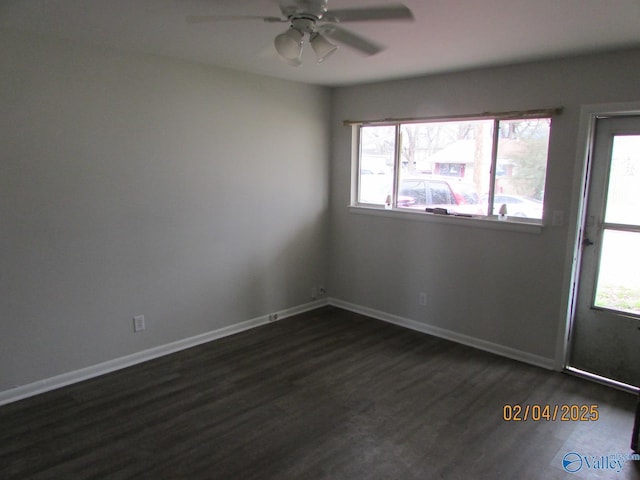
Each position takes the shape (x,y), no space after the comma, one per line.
(439,192)
(517,205)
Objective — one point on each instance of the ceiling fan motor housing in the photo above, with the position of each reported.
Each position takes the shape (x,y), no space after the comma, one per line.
(314,9)
(304,24)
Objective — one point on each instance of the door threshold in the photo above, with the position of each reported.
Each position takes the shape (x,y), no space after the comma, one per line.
(625,387)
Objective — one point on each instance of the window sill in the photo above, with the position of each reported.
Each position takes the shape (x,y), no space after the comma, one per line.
(530,226)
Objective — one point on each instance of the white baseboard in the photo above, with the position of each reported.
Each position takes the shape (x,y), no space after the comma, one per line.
(62,380)
(480,344)
(58,381)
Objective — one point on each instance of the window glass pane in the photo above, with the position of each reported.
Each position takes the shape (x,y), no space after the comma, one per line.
(375,178)
(447,164)
(618,280)
(521,166)
(623,197)
(449,160)
(412,192)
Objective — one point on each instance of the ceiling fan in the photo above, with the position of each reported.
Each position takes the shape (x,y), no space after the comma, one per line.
(313,18)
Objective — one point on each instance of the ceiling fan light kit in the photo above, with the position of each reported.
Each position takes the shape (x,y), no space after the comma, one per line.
(321,46)
(311,17)
(289,46)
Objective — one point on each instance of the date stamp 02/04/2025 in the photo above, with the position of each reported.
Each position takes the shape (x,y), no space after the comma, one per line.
(550,413)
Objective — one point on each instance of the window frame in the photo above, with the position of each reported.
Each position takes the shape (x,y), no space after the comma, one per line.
(393,209)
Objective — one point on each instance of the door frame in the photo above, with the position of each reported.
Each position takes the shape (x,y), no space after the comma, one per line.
(589,115)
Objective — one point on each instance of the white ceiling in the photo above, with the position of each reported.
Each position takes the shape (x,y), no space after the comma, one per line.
(447,35)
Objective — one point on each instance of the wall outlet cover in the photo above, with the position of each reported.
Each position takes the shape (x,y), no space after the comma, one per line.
(138,323)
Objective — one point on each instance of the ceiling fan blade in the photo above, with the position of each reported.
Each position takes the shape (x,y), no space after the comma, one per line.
(350,39)
(387,12)
(220,18)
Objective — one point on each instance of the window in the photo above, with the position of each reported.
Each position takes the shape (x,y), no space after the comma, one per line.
(480,167)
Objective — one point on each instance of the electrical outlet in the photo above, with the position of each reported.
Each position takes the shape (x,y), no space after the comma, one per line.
(422,299)
(138,323)
(322,291)
(314,293)
(273,317)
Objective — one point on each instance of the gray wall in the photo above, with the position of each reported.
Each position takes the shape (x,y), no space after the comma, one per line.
(137,185)
(201,197)
(504,287)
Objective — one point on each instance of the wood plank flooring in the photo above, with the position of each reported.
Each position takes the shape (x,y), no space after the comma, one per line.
(328,394)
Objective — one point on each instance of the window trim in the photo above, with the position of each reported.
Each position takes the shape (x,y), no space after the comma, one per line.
(529,225)
(521,226)
(510,115)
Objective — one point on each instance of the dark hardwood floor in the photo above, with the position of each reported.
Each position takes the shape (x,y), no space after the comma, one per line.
(324,395)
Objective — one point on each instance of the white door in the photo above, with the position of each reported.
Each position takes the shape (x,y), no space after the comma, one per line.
(605,332)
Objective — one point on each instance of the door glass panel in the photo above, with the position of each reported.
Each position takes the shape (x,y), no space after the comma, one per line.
(623,197)
(618,285)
